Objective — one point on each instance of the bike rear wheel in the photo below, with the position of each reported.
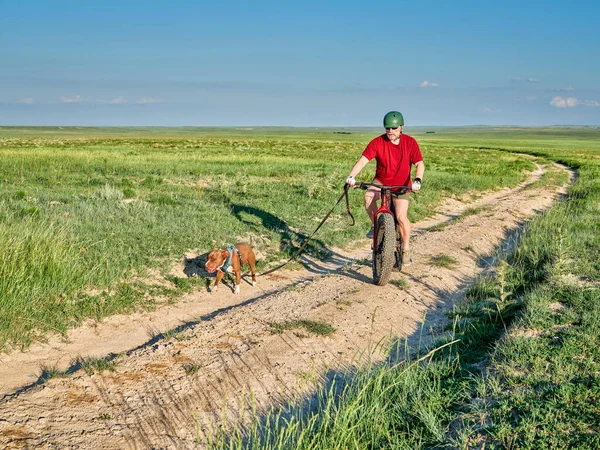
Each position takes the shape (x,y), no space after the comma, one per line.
(384,249)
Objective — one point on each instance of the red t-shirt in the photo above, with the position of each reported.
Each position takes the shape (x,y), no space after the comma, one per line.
(393,161)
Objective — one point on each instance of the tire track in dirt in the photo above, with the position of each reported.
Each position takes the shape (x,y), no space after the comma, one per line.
(168,393)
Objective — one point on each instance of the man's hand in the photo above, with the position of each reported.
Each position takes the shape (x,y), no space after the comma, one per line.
(416,185)
(350,180)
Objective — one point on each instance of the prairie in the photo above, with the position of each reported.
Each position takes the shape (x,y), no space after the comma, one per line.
(87,215)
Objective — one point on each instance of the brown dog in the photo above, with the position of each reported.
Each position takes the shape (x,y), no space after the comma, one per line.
(231,260)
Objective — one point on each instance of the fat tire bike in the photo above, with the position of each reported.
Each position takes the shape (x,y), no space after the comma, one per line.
(387,240)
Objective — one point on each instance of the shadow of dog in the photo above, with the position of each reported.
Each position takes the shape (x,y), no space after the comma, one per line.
(195,266)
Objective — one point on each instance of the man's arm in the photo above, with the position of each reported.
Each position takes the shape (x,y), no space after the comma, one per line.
(416,184)
(360,164)
(420,170)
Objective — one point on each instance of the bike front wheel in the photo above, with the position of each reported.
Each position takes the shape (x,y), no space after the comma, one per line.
(384,249)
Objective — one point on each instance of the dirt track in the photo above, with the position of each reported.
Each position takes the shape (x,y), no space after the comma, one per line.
(150,401)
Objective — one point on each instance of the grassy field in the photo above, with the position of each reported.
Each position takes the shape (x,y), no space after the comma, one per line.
(89,216)
(523,367)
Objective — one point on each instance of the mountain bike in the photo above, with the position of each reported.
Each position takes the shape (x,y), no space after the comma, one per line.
(387,240)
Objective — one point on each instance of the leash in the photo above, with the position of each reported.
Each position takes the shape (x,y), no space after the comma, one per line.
(344,195)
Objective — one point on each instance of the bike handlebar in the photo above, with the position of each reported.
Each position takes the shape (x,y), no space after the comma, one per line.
(362,185)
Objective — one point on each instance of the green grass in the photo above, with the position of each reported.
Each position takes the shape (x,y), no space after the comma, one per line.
(400,283)
(50,372)
(192,369)
(473,211)
(314,327)
(439,227)
(84,212)
(552,176)
(402,406)
(97,365)
(444,261)
(548,364)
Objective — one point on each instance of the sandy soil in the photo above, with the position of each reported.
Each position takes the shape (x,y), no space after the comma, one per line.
(167,392)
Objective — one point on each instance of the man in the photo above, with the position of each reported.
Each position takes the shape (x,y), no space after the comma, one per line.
(395,154)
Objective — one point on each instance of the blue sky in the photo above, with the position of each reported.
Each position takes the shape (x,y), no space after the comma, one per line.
(303,63)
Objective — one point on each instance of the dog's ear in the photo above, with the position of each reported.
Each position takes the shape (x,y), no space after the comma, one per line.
(225,254)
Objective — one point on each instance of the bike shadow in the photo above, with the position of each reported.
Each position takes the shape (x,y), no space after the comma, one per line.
(322,256)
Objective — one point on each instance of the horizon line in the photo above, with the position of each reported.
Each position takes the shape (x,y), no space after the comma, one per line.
(249,127)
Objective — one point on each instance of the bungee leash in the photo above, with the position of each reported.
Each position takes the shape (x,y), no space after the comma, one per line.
(349,214)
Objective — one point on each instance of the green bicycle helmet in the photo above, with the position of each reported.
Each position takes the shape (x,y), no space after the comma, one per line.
(393,119)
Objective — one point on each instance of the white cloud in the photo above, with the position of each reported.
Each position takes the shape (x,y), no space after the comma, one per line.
(115,101)
(426,83)
(147,100)
(26,101)
(589,103)
(118,101)
(491,110)
(526,80)
(564,102)
(75,99)
(571,102)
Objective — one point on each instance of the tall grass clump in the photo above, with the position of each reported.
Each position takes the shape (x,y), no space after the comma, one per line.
(385,406)
(39,268)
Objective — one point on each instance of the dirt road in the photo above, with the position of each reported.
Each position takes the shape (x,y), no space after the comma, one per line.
(167,392)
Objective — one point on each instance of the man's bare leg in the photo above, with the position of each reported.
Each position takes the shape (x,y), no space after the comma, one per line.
(401,206)
(371,198)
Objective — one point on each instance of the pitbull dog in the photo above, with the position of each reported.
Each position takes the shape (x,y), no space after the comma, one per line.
(231,260)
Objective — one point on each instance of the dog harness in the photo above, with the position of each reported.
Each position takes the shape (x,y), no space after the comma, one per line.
(227,265)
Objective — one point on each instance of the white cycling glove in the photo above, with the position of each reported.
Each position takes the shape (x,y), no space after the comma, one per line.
(350,180)
(416,185)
